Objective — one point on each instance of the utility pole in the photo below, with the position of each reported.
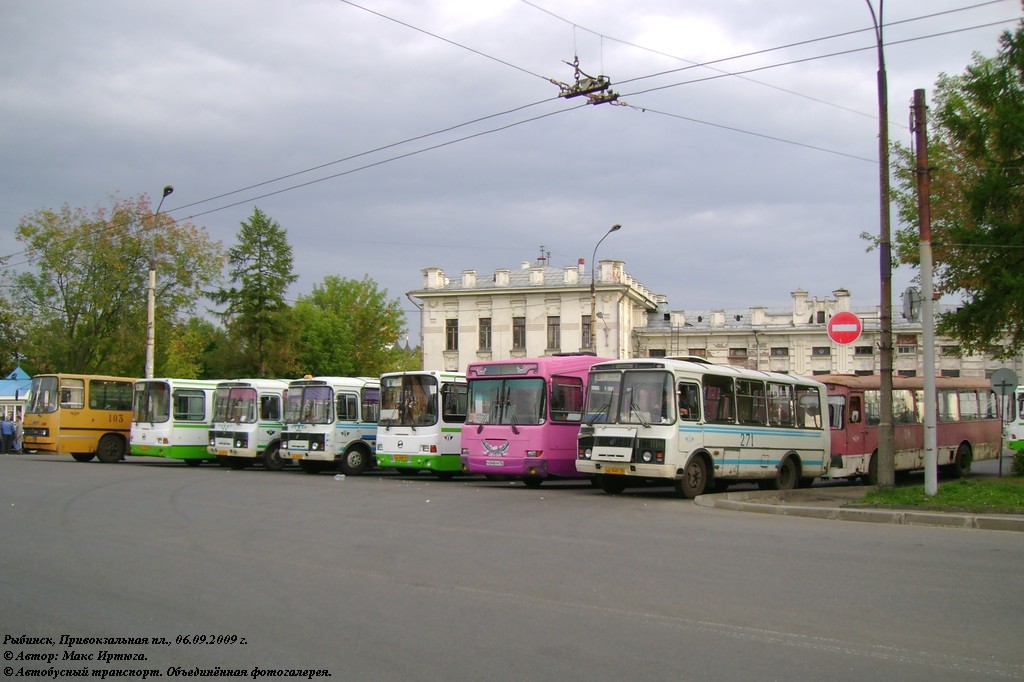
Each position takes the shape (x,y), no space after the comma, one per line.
(924,222)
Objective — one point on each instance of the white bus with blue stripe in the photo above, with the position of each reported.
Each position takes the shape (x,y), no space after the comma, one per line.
(701,427)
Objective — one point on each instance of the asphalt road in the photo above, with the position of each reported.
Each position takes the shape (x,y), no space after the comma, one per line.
(384,577)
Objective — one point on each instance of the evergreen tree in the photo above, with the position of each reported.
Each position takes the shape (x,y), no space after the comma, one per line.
(256,314)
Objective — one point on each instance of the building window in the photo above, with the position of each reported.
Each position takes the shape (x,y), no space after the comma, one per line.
(780,352)
(485,333)
(451,334)
(863,372)
(554,332)
(820,317)
(737,352)
(906,350)
(950,372)
(950,351)
(518,333)
(907,373)
(655,352)
(697,352)
(585,333)
(863,350)
(819,351)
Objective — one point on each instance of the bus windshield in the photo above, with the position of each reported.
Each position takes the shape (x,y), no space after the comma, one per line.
(43,396)
(632,397)
(152,402)
(408,400)
(309,405)
(507,401)
(236,404)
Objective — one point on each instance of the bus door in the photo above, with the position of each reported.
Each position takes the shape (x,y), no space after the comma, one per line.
(849,428)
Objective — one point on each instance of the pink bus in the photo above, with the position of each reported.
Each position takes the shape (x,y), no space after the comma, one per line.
(968,427)
(524,416)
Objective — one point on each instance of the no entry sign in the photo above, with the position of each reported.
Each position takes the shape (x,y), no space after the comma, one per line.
(844,327)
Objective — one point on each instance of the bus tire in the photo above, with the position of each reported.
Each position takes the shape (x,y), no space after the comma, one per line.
(613,485)
(355,461)
(961,465)
(786,476)
(532,481)
(871,477)
(694,480)
(110,449)
(272,458)
(83,456)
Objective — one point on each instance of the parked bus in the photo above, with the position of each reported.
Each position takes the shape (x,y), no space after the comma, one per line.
(172,418)
(524,416)
(331,423)
(247,422)
(968,426)
(701,427)
(82,415)
(1013,425)
(421,418)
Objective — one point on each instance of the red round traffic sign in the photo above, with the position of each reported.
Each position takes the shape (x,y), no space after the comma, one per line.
(844,327)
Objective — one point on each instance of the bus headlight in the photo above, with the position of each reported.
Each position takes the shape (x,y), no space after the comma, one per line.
(586,453)
(647,456)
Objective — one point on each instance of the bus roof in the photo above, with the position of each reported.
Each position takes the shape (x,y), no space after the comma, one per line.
(699,365)
(547,364)
(347,382)
(254,383)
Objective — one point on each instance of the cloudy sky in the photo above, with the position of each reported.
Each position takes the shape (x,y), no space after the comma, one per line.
(387,136)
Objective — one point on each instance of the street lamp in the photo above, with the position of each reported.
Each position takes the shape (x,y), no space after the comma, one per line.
(151,297)
(593,293)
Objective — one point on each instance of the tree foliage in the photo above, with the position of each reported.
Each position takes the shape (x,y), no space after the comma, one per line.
(256,314)
(976,159)
(84,300)
(349,328)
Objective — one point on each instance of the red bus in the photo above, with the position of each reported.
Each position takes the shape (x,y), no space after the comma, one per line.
(968,427)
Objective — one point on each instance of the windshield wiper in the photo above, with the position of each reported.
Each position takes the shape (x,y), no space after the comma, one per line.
(639,415)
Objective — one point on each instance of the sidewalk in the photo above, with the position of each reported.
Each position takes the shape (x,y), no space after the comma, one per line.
(840,503)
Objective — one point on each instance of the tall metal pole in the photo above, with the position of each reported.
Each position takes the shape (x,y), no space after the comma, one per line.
(593,292)
(886,433)
(924,221)
(151,297)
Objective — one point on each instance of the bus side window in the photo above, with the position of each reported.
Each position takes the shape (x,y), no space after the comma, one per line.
(689,403)
(270,408)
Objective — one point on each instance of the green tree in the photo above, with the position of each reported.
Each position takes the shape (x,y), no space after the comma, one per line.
(349,328)
(84,300)
(256,314)
(976,155)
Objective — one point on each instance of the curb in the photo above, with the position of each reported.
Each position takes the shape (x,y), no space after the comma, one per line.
(770,502)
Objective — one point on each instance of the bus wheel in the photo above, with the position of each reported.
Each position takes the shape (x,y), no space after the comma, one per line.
(110,449)
(532,481)
(694,480)
(613,485)
(272,458)
(83,456)
(961,465)
(871,478)
(787,476)
(354,462)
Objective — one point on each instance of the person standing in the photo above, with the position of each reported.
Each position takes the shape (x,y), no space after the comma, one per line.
(6,435)
(19,431)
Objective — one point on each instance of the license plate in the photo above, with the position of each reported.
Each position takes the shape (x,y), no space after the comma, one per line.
(495,463)
(401,458)
(613,470)
(222,452)
(297,455)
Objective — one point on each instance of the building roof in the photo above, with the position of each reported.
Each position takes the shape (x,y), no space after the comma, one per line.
(15,385)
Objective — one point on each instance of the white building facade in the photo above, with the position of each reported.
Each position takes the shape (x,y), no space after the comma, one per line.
(543,310)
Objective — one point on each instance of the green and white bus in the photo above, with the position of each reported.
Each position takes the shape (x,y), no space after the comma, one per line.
(171,418)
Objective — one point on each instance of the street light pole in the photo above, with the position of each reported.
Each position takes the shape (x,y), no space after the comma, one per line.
(593,292)
(885,465)
(151,294)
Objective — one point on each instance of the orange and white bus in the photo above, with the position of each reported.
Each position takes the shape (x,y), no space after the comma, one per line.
(968,425)
(82,415)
